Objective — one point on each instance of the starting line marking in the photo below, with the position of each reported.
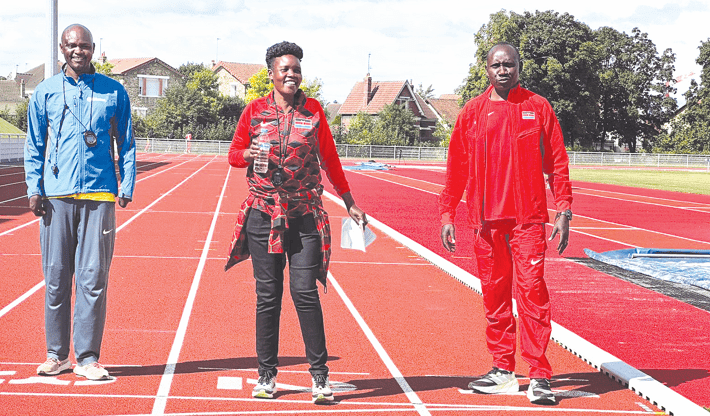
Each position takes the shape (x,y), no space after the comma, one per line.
(404,407)
(229,383)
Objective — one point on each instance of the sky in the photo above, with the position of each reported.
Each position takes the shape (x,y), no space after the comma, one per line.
(429,42)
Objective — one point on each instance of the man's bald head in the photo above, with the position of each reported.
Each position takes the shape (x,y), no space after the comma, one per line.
(77,46)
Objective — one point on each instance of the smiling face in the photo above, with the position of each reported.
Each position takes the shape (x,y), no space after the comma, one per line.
(286,75)
(502,69)
(77,47)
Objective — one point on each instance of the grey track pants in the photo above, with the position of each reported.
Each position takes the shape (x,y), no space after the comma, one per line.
(77,238)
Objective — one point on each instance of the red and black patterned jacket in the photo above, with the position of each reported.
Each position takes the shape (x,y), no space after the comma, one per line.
(309,148)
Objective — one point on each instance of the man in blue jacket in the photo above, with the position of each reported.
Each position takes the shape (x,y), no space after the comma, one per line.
(74,120)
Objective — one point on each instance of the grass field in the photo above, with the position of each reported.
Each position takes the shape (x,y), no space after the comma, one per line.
(679,181)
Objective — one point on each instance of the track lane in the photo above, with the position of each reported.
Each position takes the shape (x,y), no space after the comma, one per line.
(589,297)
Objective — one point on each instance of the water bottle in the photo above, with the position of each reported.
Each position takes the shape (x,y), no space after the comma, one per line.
(261,163)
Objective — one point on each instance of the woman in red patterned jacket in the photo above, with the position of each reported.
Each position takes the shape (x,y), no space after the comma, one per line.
(283,215)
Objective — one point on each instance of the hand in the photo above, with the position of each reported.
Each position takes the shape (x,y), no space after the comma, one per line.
(123,201)
(448,237)
(37,205)
(561,227)
(251,152)
(358,215)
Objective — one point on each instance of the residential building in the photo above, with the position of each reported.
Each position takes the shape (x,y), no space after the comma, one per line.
(446,107)
(145,80)
(233,77)
(371,97)
(20,85)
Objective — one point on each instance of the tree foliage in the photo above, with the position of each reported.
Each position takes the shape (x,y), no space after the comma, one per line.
(601,83)
(19,118)
(690,130)
(425,93)
(259,86)
(393,126)
(193,106)
(103,68)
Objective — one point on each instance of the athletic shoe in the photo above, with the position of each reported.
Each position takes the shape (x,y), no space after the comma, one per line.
(495,382)
(93,371)
(539,391)
(265,387)
(321,391)
(53,367)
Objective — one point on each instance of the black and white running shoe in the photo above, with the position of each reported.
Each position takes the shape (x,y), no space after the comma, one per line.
(539,391)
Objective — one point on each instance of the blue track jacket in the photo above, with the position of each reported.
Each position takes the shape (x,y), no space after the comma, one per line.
(59,113)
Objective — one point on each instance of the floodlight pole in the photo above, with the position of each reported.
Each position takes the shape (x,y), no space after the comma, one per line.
(50,67)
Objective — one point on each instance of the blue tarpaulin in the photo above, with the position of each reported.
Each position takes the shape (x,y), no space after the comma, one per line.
(368,166)
(691,267)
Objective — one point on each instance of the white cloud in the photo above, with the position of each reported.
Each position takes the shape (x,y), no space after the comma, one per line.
(428,42)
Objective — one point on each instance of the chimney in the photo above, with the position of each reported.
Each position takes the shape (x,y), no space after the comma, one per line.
(103,57)
(367,89)
(22,88)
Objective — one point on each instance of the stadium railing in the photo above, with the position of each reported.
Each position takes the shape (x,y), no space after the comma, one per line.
(11,147)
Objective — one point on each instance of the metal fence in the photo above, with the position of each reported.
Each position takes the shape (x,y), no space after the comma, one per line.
(11,149)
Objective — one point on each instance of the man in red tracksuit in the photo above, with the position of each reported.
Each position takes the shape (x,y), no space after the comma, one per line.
(503,142)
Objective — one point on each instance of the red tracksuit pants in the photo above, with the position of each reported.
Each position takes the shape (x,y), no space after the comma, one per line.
(510,260)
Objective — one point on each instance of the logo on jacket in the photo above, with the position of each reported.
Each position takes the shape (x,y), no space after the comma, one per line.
(528,115)
(302,123)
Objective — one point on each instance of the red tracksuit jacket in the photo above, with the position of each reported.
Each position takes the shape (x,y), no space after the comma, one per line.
(537,148)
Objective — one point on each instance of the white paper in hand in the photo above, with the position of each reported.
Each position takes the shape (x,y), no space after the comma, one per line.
(354,236)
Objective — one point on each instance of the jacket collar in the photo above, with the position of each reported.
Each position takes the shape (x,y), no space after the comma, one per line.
(513,94)
(83,77)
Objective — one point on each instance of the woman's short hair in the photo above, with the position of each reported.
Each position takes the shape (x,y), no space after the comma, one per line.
(281,49)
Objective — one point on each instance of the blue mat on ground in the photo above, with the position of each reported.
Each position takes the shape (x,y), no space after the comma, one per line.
(691,267)
(368,166)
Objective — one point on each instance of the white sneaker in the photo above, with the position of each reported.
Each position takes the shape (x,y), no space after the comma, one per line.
(321,391)
(265,387)
(497,381)
(93,371)
(53,367)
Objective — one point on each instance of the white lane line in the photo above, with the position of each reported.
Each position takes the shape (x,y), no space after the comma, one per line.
(392,406)
(406,388)
(640,196)
(10,231)
(656,204)
(37,220)
(19,300)
(167,378)
(38,286)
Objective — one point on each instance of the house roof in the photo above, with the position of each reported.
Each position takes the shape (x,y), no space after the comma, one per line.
(242,72)
(123,65)
(426,110)
(382,93)
(449,97)
(332,110)
(448,108)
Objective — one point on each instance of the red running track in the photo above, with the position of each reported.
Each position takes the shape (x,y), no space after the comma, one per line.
(403,336)
(659,335)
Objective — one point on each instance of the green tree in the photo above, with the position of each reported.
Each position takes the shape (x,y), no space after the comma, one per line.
(636,84)
(259,86)
(188,69)
(425,93)
(395,126)
(690,130)
(103,68)
(442,131)
(361,129)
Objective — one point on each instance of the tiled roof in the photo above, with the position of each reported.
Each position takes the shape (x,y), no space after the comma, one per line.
(123,65)
(242,72)
(448,109)
(382,93)
(449,97)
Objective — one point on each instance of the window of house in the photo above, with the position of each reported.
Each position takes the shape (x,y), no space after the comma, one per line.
(152,85)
